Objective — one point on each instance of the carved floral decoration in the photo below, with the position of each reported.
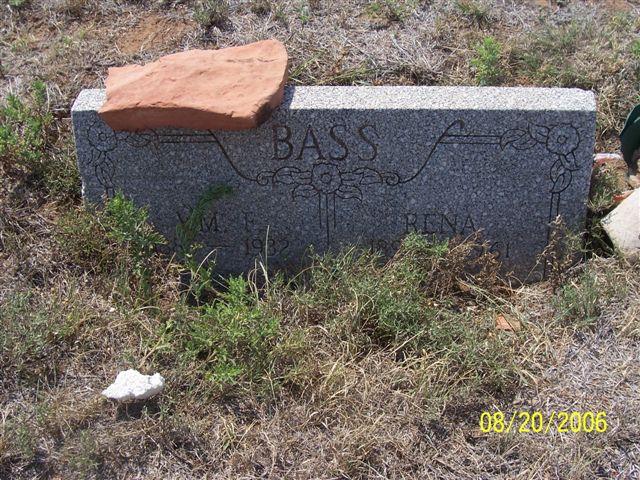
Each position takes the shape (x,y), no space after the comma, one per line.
(560,140)
(104,141)
(326,179)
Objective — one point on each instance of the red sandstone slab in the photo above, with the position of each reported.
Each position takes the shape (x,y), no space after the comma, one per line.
(233,88)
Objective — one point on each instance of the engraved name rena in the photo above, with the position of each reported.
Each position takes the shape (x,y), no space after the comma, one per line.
(343,142)
(439,222)
(445,223)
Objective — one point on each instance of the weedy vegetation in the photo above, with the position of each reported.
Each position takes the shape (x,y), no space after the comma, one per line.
(605,186)
(33,147)
(200,268)
(212,13)
(486,62)
(477,12)
(17,3)
(392,10)
(116,241)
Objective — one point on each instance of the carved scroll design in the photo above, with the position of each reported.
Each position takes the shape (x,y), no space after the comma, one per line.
(104,142)
(562,141)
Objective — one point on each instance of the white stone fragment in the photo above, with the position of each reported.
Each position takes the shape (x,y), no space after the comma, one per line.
(132,385)
(623,226)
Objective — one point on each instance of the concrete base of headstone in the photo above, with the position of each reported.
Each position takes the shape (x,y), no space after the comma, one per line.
(343,165)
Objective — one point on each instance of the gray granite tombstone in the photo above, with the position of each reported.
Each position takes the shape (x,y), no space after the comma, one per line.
(359,165)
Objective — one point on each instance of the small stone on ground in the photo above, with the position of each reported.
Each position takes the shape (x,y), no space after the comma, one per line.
(132,385)
(623,226)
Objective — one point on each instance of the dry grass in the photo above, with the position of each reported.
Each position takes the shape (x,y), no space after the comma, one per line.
(343,412)
(71,44)
(367,369)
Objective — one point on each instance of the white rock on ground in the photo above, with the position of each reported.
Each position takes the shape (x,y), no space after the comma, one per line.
(623,226)
(132,385)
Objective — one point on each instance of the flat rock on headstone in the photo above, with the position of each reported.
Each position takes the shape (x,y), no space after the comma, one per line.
(335,166)
(232,88)
(623,226)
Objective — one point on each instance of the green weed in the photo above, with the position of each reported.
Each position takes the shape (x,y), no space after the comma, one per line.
(478,12)
(564,250)
(212,13)
(22,439)
(200,272)
(350,76)
(30,146)
(233,338)
(81,455)
(635,49)
(34,337)
(82,238)
(304,13)
(620,21)
(578,301)
(597,242)
(25,127)
(604,186)
(486,62)
(21,44)
(546,57)
(392,10)
(117,241)
(280,13)
(393,302)
(410,304)
(17,3)
(127,225)
(561,40)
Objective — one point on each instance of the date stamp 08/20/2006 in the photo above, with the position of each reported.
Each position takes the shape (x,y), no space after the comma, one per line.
(538,422)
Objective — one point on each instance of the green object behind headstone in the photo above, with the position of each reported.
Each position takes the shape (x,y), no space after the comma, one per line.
(630,137)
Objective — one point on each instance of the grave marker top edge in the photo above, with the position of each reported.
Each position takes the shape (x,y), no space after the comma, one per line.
(411,98)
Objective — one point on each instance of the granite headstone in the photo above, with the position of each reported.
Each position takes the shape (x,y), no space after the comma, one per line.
(359,165)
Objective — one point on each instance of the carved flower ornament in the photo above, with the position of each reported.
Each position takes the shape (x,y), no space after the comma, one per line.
(105,140)
(561,140)
(101,138)
(326,179)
